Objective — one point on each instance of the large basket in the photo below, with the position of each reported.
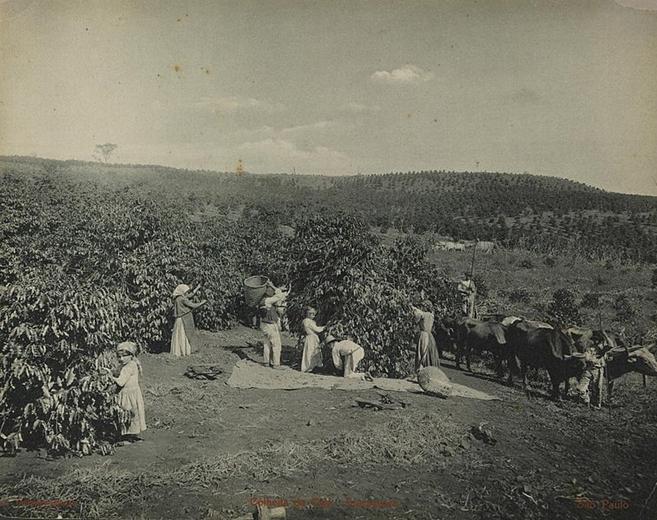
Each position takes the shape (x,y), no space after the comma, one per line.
(254,289)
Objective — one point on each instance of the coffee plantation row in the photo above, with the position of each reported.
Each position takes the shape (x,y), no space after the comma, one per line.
(85,265)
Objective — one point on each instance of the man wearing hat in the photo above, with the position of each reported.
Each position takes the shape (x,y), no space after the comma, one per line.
(272,306)
(468,291)
(347,354)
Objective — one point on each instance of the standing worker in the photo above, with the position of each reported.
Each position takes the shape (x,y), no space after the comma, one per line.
(426,351)
(312,353)
(271,309)
(468,291)
(130,396)
(184,339)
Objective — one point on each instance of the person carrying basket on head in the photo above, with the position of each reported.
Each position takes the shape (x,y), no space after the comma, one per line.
(272,307)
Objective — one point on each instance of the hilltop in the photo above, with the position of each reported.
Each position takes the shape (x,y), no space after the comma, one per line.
(545,214)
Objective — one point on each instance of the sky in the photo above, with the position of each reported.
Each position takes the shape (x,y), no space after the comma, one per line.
(562,88)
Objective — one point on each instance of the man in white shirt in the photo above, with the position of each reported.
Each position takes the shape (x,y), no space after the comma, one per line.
(270,308)
(468,291)
(347,354)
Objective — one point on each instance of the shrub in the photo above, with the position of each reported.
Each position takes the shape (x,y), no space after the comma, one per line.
(562,309)
(526,263)
(363,290)
(591,300)
(54,339)
(518,295)
(625,311)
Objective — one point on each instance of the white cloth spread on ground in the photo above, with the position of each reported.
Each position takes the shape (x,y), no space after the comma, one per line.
(248,374)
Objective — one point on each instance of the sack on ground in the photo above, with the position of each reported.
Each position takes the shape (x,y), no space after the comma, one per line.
(434,381)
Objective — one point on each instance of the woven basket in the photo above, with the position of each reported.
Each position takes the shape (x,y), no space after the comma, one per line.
(254,289)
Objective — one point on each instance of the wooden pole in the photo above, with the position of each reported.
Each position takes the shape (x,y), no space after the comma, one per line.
(472,273)
(472,264)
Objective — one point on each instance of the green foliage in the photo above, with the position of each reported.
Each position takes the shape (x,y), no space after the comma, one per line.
(53,341)
(562,309)
(591,300)
(625,311)
(364,290)
(83,272)
(526,263)
(519,295)
(98,266)
(482,286)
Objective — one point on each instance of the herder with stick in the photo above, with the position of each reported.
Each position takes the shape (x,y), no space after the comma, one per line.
(468,289)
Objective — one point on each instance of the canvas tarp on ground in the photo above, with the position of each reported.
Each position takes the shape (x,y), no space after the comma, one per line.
(248,374)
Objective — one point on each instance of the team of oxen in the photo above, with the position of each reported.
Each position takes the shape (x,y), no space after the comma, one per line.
(593,357)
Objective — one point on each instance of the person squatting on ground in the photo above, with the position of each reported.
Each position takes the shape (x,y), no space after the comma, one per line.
(130,396)
(312,352)
(426,351)
(272,306)
(184,339)
(347,354)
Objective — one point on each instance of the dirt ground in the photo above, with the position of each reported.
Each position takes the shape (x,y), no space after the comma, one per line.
(547,460)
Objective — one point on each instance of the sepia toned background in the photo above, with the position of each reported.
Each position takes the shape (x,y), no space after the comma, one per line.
(557,88)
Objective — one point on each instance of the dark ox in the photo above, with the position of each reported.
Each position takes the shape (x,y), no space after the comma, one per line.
(587,339)
(443,332)
(480,336)
(548,348)
(621,361)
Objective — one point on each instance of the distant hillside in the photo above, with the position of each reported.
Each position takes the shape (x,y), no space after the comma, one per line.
(545,214)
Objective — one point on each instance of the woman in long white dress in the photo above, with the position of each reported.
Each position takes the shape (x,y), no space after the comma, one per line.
(130,396)
(184,339)
(312,353)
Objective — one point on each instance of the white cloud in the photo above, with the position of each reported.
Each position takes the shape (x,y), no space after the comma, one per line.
(277,155)
(359,108)
(644,5)
(227,104)
(406,74)
(303,129)
(289,132)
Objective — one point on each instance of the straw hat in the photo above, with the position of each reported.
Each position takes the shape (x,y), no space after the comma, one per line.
(330,338)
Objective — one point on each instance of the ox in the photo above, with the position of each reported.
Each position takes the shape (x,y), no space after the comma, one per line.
(480,336)
(620,361)
(548,348)
(589,339)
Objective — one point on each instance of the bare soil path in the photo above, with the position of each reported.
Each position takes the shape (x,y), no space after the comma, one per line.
(549,460)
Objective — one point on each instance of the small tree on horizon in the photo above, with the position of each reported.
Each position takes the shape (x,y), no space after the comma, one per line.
(104,151)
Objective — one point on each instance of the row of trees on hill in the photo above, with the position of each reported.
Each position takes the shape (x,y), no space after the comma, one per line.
(510,209)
